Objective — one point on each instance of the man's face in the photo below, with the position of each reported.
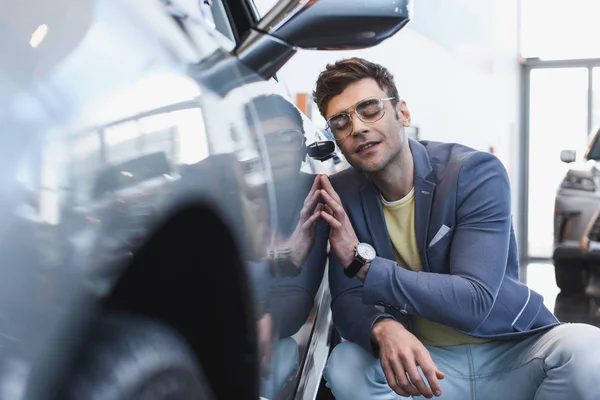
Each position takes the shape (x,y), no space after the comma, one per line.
(385,136)
(285,145)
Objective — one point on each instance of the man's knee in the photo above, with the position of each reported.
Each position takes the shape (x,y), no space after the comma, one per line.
(287,358)
(346,370)
(577,343)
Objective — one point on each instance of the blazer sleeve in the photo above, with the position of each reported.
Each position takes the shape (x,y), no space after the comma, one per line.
(292,298)
(352,318)
(478,255)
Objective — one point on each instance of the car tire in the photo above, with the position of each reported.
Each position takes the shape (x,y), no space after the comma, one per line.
(136,358)
(571,278)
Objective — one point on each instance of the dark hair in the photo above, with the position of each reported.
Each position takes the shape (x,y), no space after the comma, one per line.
(338,76)
(271,106)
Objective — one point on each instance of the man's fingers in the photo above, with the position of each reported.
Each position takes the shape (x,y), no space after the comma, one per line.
(330,219)
(439,374)
(310,201)
(401,378)
(315,186)
(313,218)
(431,372)
(393,383)
(309,204)
(316,183)
(320,207)
(417,380)
(313,189)
(326,185)
(337,208)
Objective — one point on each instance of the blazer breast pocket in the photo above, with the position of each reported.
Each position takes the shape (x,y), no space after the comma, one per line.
(438,248)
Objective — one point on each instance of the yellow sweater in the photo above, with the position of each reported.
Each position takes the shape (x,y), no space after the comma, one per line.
(400,222)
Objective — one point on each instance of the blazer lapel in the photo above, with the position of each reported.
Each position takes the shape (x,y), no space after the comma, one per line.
(373,211)
(424,190)
(423,200)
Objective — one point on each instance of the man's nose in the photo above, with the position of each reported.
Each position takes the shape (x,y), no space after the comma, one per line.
(358,125)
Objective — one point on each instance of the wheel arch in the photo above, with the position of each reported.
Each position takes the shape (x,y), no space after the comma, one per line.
(189,275)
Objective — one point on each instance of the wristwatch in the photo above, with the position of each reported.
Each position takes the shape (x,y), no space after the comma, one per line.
(363,253)
(281,265)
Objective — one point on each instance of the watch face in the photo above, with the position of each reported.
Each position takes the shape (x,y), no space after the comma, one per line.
(366,251)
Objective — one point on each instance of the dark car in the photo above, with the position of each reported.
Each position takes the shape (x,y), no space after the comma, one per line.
(148,160)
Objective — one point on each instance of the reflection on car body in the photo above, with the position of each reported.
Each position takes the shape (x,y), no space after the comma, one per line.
(141,190)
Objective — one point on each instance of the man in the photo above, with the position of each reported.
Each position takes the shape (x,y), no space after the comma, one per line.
(288,298)
(280,125)
(424,269)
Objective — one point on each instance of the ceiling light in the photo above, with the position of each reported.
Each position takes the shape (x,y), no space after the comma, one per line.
(38,36)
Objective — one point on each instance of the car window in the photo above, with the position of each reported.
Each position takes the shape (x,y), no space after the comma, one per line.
(263,6)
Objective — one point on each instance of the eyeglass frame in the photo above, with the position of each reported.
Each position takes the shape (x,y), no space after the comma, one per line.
(352,110)
(284,132)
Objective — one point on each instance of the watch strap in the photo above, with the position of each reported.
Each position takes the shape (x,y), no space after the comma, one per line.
(279,253)
(354,267)
(281,265)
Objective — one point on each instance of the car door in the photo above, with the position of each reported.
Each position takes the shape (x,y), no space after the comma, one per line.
(299,317)
(147,168)
(298,301)
(288,304)
(141,131)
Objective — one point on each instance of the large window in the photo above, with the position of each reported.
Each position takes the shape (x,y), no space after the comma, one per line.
(556,29)
(596,98)
(562,97)
(554,93)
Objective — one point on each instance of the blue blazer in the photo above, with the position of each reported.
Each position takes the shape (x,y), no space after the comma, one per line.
(470,278)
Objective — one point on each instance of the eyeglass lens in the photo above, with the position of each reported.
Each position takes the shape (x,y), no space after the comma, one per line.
(369,110)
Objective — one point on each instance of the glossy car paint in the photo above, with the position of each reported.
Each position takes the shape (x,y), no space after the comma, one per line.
(115,119)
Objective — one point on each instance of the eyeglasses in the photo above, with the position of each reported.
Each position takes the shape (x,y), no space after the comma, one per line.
(368,110)
(291,139)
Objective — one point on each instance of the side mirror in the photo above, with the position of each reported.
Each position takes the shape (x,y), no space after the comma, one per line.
(320,25)
(321,150)
(568,156)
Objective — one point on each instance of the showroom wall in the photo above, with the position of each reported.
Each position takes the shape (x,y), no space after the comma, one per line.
(456,66)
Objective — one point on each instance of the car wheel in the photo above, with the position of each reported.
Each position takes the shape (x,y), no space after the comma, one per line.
(136,358)
(571,278)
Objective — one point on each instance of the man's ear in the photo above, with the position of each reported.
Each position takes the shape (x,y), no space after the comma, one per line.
(403,113)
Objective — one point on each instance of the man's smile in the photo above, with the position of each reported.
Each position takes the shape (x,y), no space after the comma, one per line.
(366,147)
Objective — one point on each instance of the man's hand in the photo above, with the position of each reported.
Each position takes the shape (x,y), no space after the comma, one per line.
(400,353)
(341,235)
(265,335)
(302,239)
